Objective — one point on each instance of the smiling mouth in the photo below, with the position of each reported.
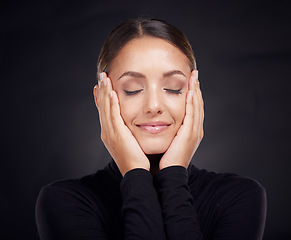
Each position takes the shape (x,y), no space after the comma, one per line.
(154,127)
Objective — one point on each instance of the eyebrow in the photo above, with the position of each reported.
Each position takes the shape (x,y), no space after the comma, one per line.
(132,74)
(140,75)
(171,73)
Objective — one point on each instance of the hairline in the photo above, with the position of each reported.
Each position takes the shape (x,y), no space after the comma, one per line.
(145,35)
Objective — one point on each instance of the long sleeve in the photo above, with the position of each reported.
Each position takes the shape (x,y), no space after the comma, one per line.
(180,216)
(175,204)
(141,210)
(212,206)
(101,208)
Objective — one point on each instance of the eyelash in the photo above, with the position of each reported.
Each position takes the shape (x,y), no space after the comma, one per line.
(129,93)
(178,91)
(173,91)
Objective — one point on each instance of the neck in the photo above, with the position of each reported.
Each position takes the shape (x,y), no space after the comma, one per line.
(154,161)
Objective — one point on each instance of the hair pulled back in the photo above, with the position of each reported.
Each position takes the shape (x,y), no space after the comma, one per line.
(137,28)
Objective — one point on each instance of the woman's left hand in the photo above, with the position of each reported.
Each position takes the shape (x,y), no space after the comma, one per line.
(190,134)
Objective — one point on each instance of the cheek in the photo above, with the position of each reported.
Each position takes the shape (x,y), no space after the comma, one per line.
(178,109)
(128,111)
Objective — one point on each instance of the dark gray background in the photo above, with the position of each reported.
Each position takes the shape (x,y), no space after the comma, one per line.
(50,127)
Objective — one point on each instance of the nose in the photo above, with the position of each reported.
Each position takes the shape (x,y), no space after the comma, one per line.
(153,103)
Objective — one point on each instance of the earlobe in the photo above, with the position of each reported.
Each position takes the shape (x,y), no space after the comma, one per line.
(96,95)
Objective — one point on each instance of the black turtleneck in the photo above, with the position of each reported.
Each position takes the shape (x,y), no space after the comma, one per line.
(176,203)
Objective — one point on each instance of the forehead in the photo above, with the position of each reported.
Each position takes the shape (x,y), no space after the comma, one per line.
(148,53)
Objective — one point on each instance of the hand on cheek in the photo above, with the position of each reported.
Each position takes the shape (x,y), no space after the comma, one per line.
(190,134)
(115,135)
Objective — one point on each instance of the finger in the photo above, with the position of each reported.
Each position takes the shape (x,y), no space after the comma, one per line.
(200,130)
(197,109)
(201,103)
(117,121)
(101,93)
(107,110)
(96,95)
(96,98)
(192,79)
(101,85)
(189,116)
(103,105)
(105,86)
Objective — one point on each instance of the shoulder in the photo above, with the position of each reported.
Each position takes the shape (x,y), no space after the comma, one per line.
(62,194)
(63,204)
(230,206)
(91,192)
(62,187)
(226,186)
(72,208)
(73,191)
(242,190)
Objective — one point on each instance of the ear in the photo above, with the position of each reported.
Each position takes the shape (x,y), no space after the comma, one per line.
(96,95)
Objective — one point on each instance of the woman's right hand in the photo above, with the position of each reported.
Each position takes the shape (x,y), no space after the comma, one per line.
(118,139)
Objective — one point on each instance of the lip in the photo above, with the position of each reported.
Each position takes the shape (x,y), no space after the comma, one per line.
(154,127)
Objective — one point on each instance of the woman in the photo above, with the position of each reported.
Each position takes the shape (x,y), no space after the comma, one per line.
(151,115)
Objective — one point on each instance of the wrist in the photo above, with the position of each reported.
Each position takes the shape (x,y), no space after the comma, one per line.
(129,167)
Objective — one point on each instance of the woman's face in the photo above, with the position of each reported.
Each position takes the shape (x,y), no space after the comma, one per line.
(151,78)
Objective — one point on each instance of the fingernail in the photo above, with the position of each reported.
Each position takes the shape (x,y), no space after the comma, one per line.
(100,79)
(102,76)
(196,74)
(110,94)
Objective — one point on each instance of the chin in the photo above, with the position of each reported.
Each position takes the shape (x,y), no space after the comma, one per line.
(154,149)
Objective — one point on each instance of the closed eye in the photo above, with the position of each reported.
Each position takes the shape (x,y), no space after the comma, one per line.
(174,91)
(132,92)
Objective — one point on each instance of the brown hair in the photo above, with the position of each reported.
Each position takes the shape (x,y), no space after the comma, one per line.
(136,28)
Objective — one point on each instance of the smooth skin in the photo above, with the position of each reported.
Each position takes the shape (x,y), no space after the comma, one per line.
(150,80)
(155,74)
